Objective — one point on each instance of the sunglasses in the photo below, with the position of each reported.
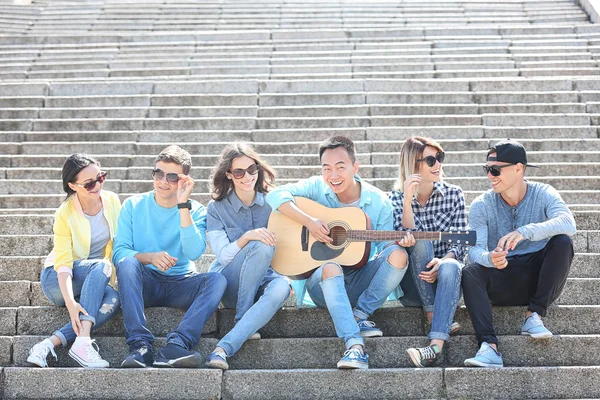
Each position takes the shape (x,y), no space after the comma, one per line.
(495,170)
(430,160)
(239,173)
(159,174)
(92,184)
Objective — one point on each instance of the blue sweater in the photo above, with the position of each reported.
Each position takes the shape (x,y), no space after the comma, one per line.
(541,215)
(146,227)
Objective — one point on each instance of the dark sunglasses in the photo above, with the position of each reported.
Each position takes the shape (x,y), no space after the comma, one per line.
(430,160)
(239,173)
(159,174)
(92,184)
(495,170)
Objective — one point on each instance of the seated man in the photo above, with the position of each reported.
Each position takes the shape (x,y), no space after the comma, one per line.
(523,252)
(159,233)
(330,285)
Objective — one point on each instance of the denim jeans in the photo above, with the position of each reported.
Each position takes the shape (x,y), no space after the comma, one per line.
(254,290)
(141,287)
(91,290)
(440,297)
(365,289)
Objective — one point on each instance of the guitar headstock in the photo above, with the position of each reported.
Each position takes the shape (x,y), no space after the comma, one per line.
(465,238)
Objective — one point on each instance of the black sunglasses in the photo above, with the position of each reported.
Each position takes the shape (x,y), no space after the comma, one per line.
(430,160)
(239,173)
(159,174)
(92,184)
(495,170)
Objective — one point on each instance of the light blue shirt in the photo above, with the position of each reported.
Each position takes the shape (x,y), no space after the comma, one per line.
(146,227)
(541,215)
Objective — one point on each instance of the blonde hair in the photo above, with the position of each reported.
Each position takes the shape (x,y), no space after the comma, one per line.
(412,150)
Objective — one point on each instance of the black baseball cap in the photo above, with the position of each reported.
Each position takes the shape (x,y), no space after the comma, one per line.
(509,151)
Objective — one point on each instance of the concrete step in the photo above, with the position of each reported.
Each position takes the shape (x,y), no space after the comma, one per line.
(386,352)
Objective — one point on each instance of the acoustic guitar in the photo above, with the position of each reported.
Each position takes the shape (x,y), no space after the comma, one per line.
(298,254)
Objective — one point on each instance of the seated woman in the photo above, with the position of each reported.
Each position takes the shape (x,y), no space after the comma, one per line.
(236,226)
(77,272)
(422,202)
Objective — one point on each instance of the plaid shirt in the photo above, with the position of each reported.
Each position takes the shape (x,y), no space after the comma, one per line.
(444,211)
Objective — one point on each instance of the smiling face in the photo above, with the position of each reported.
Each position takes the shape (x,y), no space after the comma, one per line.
(86,175)
(247,183)
(510,176)
(338,170)
(163,189)
(432,174)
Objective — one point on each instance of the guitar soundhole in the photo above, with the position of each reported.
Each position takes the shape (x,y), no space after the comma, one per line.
(339,235)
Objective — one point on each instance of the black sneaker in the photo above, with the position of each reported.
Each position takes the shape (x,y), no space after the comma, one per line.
(177,357)
(425,356)
(140,356)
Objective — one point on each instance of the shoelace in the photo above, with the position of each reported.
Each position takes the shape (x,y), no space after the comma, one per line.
(368,324)
(427,353)
(91,351)
(356,352)
(42,352)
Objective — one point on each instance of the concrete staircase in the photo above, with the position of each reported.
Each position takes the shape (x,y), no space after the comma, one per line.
(121,80)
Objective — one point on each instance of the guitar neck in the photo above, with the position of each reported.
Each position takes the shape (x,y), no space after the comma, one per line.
(385,236)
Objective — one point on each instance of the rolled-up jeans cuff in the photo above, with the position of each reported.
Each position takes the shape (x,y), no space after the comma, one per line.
(355,341)
(438,335)
(63,339)
(360,314)
(87,318)
(175,339)
(428,308)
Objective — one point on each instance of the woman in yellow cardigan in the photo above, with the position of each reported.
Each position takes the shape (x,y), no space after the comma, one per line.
(78,272)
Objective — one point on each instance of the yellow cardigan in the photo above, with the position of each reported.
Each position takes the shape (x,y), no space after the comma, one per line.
(72,233)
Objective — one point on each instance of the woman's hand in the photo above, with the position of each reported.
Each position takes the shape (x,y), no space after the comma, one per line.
(431,275)
(410,185)
(261,234)
(74,310)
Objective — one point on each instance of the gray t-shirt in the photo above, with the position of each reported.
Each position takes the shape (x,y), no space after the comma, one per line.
(100,235)
(541,215)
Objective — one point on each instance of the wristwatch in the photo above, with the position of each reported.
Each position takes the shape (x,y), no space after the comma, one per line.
(187,204)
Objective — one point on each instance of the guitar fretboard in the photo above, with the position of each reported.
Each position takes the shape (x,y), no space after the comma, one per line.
(382,236)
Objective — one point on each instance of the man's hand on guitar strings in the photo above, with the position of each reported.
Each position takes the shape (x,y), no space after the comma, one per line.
(319,230)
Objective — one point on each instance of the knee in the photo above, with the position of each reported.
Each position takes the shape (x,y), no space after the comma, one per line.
(398,259)
(127,268)
(330,270)
(280,289)
(470,273)
(449,269)
(101,269)
(561,241)
(216,279)
(261,248)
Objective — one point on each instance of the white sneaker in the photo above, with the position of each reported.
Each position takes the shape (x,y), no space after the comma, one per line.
(87,355)
(39,352)
(256,336)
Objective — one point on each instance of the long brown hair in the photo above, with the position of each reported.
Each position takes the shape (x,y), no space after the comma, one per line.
(412,150)
(221,185)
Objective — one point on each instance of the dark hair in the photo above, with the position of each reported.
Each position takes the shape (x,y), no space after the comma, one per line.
(176,155)
(221,185)
(72,167)
(335,142)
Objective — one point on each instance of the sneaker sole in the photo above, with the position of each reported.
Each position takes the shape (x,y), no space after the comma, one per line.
(475,363)
(351,365)
(415,357)
(84,364)
(217,365)
(191,361)
(132,364)
(543,335)
(371,334)
(455,330)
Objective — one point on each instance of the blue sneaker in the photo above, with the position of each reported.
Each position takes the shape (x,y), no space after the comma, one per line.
(354,359)
(534,327)
(486,357)
(174,356)
(140,356)
(368,329)
(217,359)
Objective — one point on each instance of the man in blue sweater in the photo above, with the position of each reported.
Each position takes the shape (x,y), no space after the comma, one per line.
(523,252)
(159,234)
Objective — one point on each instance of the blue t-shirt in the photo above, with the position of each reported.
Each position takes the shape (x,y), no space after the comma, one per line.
(146,227)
